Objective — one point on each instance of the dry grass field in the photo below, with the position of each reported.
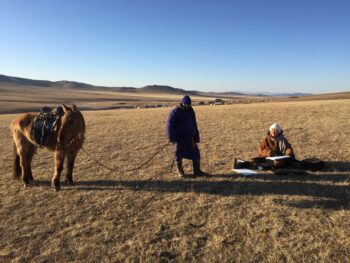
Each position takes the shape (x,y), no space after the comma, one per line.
(153,216)
(27,98)
(23,98)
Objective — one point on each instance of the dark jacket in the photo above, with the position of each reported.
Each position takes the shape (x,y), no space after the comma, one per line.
(183,131)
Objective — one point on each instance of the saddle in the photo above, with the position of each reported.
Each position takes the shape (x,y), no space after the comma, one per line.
(45,124)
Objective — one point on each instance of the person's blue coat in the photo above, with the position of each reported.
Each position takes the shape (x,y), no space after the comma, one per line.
(183,131)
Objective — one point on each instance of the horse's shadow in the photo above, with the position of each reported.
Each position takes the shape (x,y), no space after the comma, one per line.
(320,187)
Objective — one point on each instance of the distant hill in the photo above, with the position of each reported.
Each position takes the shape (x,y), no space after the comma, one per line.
(276,94)
(64,84)
(24,82)
(13,82)
(72,85)
(43,83)
(323,96)
(221,94)
(24,95)
(165,89)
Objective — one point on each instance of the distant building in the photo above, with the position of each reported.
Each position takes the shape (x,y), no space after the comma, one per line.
(216,102)
(219,102)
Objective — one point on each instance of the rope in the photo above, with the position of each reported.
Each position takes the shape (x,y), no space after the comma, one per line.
(154,155)
(91,158)
(131,170)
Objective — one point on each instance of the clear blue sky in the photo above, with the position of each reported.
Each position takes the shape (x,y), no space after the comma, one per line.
(262,45)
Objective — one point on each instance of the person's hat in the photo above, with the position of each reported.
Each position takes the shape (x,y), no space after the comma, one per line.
(276,126)
(186,100)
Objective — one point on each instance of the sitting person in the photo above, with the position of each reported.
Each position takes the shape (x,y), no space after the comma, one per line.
(275,144)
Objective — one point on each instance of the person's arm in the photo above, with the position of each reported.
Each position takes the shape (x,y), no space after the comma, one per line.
(289,150)
(264,149)
(171,126)
(196,135)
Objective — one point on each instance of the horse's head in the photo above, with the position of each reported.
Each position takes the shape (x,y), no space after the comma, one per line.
(72,127)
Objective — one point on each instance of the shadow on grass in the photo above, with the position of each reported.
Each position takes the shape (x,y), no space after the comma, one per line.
(332,172)
(337,166)
(339,194)
(324,204)
(309,185)
(298,177)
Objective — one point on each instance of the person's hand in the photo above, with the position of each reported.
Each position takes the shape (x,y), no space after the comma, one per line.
(194,144)
(288,152)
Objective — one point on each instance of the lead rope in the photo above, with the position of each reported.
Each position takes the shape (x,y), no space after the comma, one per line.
(131,170)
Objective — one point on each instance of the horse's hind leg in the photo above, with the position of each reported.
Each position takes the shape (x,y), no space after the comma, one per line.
(70,166)
(22,146)
(59,161)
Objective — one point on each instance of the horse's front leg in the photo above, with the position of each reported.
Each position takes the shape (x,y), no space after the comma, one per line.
(59,160)
(30,154)
(24,166)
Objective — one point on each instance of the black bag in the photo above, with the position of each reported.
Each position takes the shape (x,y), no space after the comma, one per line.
(240,164)
(257,163)
(313,164)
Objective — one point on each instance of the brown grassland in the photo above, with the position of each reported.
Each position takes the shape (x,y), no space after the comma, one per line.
(153,216)
(19,98)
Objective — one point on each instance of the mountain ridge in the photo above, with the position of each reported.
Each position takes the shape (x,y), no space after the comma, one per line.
(66,84)
(165,89)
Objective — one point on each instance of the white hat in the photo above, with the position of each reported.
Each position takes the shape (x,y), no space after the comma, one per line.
(276,126)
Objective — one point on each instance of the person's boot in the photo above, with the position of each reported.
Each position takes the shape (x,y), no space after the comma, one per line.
(179,169)
(197,168)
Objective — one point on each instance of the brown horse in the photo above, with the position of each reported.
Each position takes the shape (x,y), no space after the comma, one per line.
(66,141)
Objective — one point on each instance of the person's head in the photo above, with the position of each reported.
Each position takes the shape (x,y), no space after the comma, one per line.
(275,129)
(186,102)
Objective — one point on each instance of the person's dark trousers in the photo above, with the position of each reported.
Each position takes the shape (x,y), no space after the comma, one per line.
(197,168)
(179,168)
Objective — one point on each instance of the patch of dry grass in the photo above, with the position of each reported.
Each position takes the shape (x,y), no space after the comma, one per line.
(151,215)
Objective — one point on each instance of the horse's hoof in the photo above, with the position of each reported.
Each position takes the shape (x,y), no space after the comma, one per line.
(69,182)
(56,187)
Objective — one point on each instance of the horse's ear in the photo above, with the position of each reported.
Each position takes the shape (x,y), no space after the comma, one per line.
(65,108)
(74,107)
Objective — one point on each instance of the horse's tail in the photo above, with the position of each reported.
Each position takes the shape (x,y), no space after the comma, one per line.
(16,165)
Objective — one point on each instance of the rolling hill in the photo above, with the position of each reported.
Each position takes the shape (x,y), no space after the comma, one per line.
(64,84)
(23,95)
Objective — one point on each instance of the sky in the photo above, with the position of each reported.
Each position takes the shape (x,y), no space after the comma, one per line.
(248,46)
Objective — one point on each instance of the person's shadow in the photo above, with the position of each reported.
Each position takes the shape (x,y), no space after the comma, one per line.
(323,187)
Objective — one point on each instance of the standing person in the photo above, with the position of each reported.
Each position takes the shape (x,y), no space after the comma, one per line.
(182,130)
